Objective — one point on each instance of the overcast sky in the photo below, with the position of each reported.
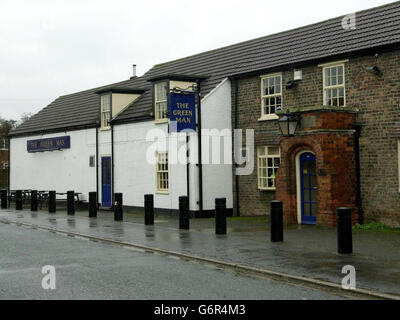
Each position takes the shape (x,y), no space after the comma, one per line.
(51,48)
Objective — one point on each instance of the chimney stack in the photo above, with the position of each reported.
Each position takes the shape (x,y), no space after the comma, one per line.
(134,71)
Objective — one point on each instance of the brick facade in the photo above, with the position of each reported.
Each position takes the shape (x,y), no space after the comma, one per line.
(333,147)
(377,97)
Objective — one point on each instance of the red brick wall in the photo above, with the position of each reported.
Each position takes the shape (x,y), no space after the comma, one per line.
(336,171)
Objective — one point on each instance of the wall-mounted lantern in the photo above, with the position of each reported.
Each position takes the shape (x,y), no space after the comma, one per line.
(288,124)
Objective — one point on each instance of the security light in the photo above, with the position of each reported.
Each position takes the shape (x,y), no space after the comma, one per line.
(374,69)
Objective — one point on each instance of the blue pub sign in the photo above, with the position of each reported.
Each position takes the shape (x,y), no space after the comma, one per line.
(182,111)
(49,144)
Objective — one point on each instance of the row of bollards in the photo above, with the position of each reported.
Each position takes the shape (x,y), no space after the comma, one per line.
(344,221)
(344,227)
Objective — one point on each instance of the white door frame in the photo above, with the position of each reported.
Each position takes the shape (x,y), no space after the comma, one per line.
(298,184)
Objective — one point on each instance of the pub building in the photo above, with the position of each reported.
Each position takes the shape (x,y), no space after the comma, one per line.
(323,101)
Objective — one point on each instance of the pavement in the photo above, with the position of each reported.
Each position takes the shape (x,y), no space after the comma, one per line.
(86,270)
(307,251)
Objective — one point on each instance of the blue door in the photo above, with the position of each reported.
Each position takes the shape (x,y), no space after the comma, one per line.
(106,182)
(309,190)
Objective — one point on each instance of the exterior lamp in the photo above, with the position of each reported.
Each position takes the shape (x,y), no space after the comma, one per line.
(288,124)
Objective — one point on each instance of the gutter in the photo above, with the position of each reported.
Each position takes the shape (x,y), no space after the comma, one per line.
(200,152)
(236,125)
(112,166)
(9,163)
(97,167)
(237,189)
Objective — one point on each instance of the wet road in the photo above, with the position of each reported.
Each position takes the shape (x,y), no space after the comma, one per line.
(93,270)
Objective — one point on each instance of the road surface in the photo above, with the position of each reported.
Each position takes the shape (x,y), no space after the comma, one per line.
(93,270)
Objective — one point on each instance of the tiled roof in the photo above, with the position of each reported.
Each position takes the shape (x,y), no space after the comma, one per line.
(375,27)
(73,110)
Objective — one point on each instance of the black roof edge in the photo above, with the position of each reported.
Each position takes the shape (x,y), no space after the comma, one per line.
(350,54)
(179,77)
(117,121)
(121,90)
(48,131)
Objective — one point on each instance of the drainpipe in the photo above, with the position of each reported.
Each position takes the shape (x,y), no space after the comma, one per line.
(357,135)
(97,167)
(9,163)
(112,165)
(200,153)
(187,169)
(235,127)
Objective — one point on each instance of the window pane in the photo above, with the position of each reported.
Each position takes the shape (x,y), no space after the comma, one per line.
(161,91)
(327,77)
(265,87)
(328,97)
(278,103)
(278,84)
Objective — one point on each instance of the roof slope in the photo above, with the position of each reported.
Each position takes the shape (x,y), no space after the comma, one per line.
(73,110)
(374,27)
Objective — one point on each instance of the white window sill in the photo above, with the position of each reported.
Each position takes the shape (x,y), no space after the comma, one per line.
(269,117)
(161,121)
(105,129)
(267,189)
(162,192)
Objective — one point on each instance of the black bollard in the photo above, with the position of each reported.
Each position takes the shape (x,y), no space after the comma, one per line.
(71,202)
(52,202)
(344,231)
(148,209)
(34,200)
(118,212)
(4,199)
(18,200)
(92,204)
(184,213)
(220,216)
(276,221)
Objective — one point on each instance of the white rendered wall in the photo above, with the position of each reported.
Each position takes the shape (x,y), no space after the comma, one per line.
(55,170)
(216,114)
(135,176)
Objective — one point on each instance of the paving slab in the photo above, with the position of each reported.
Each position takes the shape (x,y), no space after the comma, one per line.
(307,251)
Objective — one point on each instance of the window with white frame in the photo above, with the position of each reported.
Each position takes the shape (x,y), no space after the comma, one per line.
(162,172)
(334,86)
(161,101)
(105,111)
(271,95)
(269,160)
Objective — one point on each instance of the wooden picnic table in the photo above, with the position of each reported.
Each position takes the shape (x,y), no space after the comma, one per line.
(43,196)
